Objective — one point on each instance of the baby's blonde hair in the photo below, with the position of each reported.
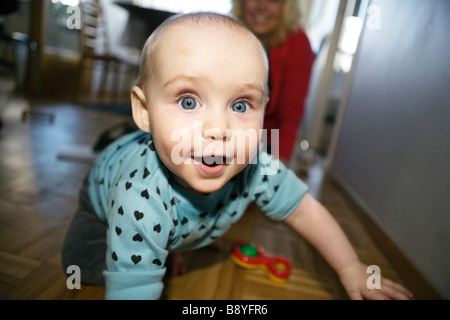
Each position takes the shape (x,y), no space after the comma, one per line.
(147,64)
(290,21)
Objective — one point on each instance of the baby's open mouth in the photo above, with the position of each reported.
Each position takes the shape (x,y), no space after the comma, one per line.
(212,161)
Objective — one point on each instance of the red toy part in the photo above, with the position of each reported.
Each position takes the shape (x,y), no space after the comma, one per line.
(250,255)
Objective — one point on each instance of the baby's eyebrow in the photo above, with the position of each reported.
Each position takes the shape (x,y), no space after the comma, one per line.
(253,87)
(181,78)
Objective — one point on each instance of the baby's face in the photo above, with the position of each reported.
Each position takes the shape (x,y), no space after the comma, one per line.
(206,102)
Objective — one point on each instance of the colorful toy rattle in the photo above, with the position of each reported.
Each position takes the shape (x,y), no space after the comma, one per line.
(250,255)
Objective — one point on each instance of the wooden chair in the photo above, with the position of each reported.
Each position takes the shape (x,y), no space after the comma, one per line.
(95,49)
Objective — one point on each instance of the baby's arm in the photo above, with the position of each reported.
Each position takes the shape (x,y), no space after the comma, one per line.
(139,230)
(313,222)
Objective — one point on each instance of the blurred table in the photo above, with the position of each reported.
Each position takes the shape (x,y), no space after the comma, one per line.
(141,23)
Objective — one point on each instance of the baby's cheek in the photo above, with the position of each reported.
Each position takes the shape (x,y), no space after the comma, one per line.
(246,144)
(173,145)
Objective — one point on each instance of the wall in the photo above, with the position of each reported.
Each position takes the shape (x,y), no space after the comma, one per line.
(393,151)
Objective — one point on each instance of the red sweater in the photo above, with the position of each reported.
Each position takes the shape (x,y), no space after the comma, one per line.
(290,69)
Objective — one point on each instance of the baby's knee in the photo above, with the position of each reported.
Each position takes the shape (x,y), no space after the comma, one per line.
(90,271)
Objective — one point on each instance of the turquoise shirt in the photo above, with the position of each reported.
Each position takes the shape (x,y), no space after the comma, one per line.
(149,215)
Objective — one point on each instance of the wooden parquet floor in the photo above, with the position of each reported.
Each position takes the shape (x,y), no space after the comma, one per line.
(38,197)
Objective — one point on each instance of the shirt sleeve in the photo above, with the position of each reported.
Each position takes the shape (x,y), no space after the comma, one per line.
(275,188)
(139,226)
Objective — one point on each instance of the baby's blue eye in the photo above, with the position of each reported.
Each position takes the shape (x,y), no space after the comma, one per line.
(240,107)
(188,103)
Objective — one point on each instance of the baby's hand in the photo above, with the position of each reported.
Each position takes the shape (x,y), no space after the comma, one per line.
(354,279)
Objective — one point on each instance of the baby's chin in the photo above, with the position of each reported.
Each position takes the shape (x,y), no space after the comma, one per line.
(203,189)
(200,187)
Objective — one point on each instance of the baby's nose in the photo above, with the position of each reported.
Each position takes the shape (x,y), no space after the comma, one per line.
(215,127)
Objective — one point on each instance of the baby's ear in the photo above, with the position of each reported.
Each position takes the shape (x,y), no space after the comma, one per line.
(139,109)
(266,102)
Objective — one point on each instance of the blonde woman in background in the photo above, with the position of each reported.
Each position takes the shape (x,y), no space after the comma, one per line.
(277,23)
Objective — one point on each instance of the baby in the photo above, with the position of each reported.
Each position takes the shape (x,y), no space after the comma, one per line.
(189,173)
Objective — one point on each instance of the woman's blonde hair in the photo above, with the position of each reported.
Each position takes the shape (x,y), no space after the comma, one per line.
(290,21)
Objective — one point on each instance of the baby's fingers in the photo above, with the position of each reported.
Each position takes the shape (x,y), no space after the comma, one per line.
(395,290)
(388,290)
